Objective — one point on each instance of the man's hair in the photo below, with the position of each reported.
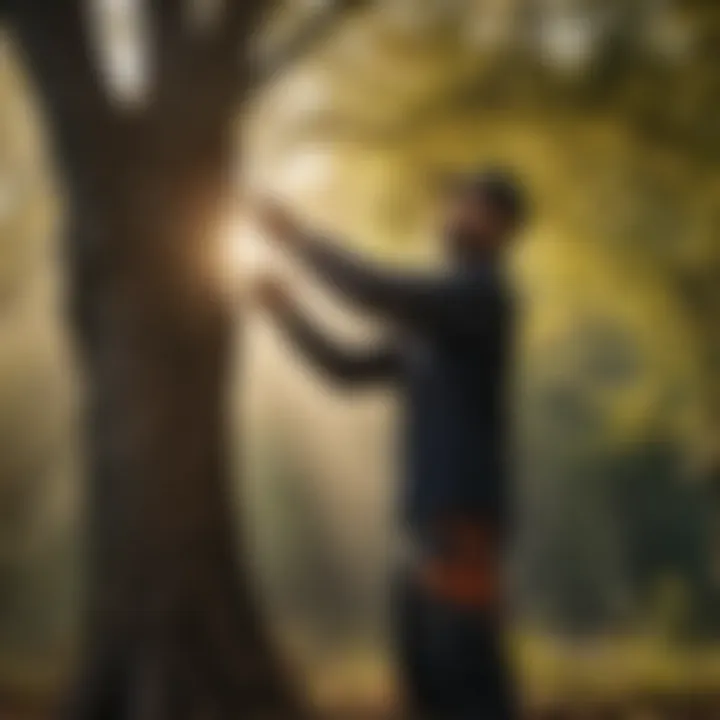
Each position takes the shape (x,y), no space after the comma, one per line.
(505,192)
(501,187)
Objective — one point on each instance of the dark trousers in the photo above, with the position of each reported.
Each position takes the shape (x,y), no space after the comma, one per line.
(452,665)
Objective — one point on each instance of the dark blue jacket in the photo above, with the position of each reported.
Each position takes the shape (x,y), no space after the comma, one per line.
(449,359)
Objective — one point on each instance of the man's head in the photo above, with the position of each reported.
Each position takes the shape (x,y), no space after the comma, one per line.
(484,211)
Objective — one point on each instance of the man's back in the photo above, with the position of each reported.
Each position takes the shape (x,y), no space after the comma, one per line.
(454,385)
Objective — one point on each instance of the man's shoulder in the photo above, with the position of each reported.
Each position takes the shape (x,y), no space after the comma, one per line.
(488,281)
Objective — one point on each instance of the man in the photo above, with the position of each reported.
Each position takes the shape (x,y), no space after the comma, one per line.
(449,358)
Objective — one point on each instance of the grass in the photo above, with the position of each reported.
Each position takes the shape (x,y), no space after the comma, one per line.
(614,668)
(560,677)
(554,672)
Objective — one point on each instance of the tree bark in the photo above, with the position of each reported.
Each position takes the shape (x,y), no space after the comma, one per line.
(174,630)
(172,612)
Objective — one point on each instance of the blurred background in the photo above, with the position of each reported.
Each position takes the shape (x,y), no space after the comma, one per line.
(609,109)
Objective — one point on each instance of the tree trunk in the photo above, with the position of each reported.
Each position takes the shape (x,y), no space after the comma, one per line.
(179,634)
(173,630)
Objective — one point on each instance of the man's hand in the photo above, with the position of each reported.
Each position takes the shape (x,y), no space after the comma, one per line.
(271,294)
(277,223)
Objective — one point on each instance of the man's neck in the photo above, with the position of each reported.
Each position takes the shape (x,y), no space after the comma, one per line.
(464,260)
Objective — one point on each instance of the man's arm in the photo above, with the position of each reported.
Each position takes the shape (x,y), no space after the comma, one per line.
(457,304)
(449,303)
(343,365)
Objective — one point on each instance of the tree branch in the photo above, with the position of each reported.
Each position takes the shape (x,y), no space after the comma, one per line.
(221,57)
(240,21)
(309,36)
(228,62)
(53,39)
(166,17)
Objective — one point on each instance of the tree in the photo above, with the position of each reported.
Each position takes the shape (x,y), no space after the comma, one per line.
(173,628)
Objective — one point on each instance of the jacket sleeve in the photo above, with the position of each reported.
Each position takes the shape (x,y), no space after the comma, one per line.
(458,304)
(343,365)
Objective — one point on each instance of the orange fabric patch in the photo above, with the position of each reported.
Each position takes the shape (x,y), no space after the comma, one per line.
(466,570)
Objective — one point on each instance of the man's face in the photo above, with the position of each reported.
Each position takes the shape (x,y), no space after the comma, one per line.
(473,225)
